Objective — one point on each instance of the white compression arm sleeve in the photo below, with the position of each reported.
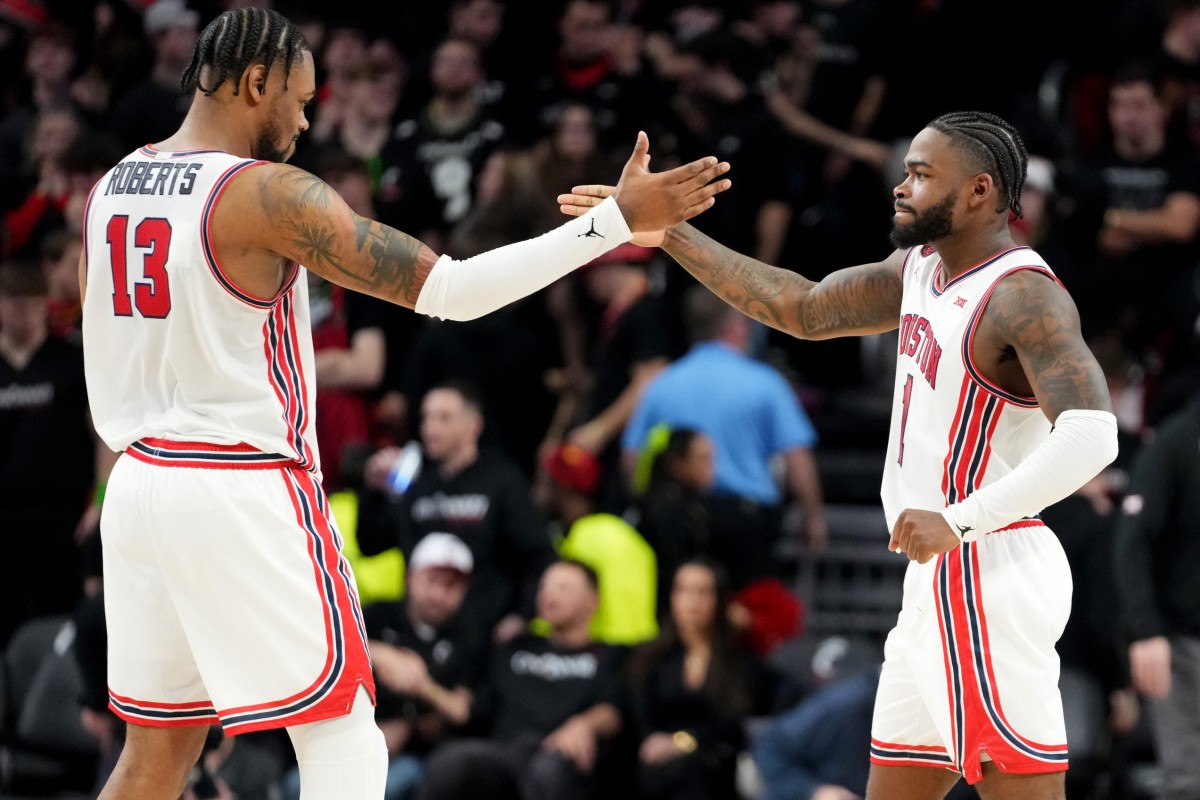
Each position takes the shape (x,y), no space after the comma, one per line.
(475,286)
(1082,443)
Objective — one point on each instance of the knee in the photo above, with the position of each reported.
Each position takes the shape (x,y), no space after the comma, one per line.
(551,774)
(159,758)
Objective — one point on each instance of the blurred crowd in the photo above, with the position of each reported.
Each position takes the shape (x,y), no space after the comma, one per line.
(575,522)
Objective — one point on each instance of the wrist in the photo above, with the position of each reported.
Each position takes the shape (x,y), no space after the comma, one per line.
(1112,219)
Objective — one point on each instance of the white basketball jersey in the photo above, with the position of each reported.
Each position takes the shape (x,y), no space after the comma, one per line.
(173,349)
(952,430)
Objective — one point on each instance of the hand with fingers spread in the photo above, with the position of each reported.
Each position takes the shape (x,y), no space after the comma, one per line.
(651,202)
(921,535)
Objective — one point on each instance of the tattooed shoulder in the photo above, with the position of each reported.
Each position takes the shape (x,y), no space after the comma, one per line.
(1036,316)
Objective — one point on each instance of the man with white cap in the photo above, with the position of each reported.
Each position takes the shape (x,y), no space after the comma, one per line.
(426,657)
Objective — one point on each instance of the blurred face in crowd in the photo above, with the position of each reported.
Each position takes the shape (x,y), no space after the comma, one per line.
(575,136)
(778,18)
(696,468)
(50,59)
(61,271)
(355,188)
(435,594)
(23,318)
(344,51)
(53,133)
(565,598)
(373,93)
(584,29)
(1138,119)
(694,598)
(448,424)
(175,44)
(477,20)
(936,176)
(455,70)
(283,110)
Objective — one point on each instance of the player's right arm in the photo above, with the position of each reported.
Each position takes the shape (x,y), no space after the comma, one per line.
(850,302)
(298,216)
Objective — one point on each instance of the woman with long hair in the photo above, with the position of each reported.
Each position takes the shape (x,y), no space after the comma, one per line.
(692,690)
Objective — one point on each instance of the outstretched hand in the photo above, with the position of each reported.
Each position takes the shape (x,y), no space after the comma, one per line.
(651,202)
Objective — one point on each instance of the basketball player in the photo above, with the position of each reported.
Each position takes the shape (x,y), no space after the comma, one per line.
(227,597)
(1000,410)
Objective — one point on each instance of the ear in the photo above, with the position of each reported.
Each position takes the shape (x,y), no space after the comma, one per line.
(983,190)
(254,84)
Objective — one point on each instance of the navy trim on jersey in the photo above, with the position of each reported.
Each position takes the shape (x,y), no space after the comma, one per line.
(958,278)
(206,455)
(335,672)
(209,254)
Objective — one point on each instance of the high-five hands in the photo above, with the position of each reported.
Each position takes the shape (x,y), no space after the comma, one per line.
(651,202)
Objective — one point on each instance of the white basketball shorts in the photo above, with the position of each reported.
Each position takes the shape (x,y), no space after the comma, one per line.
(226,593)
(970,672)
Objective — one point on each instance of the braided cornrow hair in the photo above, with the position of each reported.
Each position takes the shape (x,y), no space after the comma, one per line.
(994,146)
(239,39)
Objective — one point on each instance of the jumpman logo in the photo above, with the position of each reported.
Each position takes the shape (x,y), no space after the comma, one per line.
(591,232)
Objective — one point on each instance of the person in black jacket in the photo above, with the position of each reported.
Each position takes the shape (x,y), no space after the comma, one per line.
(479,496)
(1156,555)
(691,692)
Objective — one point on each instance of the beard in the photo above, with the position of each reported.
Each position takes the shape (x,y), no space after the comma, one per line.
(928,226)
(266,149)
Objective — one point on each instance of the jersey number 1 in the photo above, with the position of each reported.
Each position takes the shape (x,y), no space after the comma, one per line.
(904,417)
(153,295)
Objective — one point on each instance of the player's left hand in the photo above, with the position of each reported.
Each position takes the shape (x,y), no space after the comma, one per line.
(921,535)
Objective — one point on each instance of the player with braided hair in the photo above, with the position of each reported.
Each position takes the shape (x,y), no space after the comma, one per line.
(1000,410)
(227,597)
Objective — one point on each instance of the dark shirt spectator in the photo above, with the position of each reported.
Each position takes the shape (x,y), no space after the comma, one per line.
(478,496)
(692,691)
(153,108)
(548,704)
(1157,547)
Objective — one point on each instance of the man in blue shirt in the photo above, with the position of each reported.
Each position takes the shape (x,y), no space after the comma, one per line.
(752,416)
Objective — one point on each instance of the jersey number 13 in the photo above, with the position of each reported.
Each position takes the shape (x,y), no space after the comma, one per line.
(152,237)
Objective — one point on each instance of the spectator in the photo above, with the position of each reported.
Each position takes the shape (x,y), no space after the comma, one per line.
(54,131)
(820,749)
(349,343)
(50,62)
(427,658)
(445,146)
(1178,58)
(1156,546)
(671,515)
(1136,213)
(692,691)
(752,415)
(618,554)
(60,266)
(633,345)
(49,459)
(478,496)
(152,109)
(549,706)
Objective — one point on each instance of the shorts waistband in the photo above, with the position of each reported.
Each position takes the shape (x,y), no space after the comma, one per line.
(205,455)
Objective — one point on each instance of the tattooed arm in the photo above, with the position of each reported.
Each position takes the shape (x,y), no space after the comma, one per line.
(311,224)
(850,302)
(1037,318)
